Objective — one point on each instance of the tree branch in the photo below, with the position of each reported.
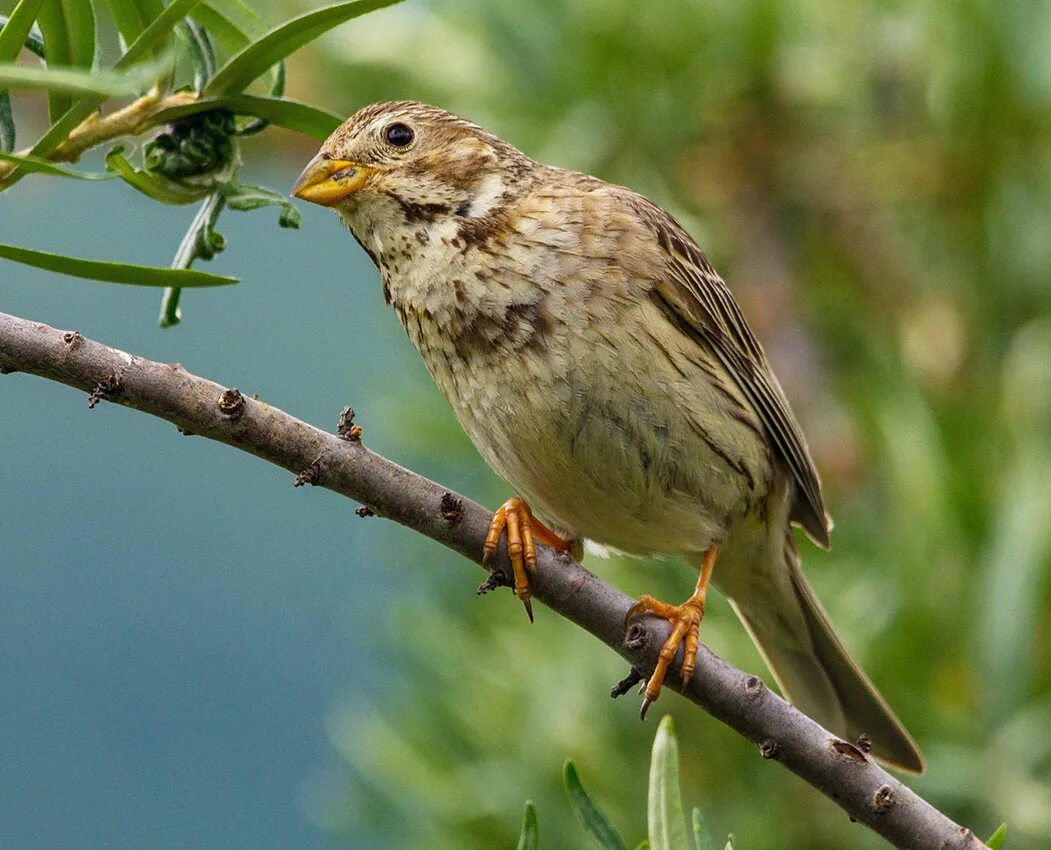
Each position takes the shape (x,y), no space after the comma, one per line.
(131,120)
(838,769)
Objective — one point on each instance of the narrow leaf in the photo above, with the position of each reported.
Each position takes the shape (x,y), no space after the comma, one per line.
(277,89)
(113,272)
(159,29)
(132,16)
(284,112)
(667,824)
(283,40)
(68,27)
(730,843)
(595,823)
(152,185)
(202,51)
(527,839)
(142,46)
(244,197)
(237,18)
(7,123)
(230,37)
(68,80)
(16,30)
(234,25)
(701,837)
(44,166)
(997,839)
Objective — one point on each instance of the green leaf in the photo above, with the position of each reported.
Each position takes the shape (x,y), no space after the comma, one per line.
(76,81)
(113,272)
(152,185)
(243,197)
(44,166)
(256,58)
(7,123)
(595,823)
(235,25)
(68,27)
(527,839)
(202,51)
(150,37)
(997,839)
(284,112)
(277,89)
(701,837)
(667,824)
(158,30)
(643,845)
(132,16)
(233,22)
(16,30)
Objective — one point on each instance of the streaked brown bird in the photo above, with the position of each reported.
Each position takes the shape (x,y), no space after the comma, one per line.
(603,369)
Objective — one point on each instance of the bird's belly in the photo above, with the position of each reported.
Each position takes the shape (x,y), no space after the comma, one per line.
(616,452)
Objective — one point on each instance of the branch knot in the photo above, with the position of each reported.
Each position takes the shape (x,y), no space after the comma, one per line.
(231,403)
(883,800)
(311,475)
(346,429)
(106,388)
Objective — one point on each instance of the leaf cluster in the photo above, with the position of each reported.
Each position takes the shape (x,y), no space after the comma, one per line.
(667,826)
(206,74)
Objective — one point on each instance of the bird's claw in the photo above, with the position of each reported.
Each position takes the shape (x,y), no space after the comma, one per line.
(686,623)
(514,517)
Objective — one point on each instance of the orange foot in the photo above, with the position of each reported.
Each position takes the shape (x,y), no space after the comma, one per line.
(523,530)
(686,625)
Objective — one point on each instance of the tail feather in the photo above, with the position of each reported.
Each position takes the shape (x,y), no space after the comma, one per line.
(816,673)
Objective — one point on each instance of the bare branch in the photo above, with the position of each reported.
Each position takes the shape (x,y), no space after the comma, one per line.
(840,770)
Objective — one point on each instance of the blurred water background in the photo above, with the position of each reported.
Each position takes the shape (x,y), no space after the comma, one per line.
(197,655)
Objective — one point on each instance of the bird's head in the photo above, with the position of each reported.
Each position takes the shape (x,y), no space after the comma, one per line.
(392,164)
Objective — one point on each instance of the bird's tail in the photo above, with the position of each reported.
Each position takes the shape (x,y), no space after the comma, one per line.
(813,668)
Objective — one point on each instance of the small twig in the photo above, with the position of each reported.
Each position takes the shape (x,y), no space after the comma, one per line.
(345,428)
(842,771)
(190,250)
(627,683)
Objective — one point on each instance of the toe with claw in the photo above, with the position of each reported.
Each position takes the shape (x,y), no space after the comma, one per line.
(523,531)
(686,624)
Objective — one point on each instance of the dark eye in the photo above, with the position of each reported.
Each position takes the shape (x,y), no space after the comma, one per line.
(400,135)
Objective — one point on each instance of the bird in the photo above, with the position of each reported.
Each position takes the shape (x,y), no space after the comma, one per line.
(604,370)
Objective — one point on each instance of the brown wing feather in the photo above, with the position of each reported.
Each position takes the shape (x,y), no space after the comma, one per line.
(694,292)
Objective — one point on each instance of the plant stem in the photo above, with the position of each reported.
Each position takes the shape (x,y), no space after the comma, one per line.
(189,250)
(132,120)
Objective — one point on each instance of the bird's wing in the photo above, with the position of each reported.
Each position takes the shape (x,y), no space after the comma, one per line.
(693,296)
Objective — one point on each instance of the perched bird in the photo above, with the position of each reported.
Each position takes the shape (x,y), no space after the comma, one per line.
(603,369)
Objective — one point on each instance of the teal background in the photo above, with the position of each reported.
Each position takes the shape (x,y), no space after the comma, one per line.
(176,619)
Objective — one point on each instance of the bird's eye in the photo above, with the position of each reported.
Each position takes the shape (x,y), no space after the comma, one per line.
(400,135)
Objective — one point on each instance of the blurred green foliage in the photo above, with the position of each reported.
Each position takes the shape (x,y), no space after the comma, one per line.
(874,181)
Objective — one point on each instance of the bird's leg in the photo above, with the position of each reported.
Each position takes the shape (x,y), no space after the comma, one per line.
(523,530)
(686,624)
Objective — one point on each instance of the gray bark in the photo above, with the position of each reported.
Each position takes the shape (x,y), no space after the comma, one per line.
(840,770)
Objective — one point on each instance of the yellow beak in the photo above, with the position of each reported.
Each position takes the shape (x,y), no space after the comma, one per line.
(326,181)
